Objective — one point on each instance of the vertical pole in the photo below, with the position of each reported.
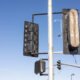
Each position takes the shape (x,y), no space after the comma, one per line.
(72,75)
(50,40)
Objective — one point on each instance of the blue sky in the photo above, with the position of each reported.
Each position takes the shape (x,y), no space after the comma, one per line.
(13,13)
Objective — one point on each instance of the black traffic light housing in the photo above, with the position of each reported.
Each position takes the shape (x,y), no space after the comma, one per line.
(67,47)
(40,67)
(59,64)
(31,39)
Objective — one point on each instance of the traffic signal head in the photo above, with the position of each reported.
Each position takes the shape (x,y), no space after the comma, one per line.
(71,38)
(40,67)
(59,64)
(31,39)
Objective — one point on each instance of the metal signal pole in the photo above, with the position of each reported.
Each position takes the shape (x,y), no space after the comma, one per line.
(50,40)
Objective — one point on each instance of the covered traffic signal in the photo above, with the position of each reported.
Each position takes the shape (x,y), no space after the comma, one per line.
(31,39)
(40,67)
(59,64)
(71,38)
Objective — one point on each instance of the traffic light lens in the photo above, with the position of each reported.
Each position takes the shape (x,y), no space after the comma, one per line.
(73,28)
